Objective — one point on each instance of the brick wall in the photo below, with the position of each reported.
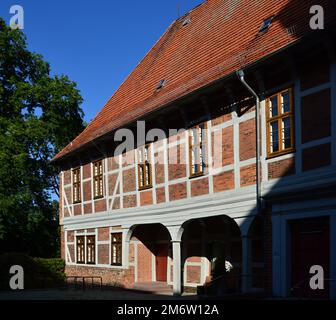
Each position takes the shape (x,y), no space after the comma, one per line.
(247,136)
(316,116)
(281,168)
(110,277)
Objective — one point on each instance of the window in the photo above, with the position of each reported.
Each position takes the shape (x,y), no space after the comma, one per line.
(80,249)
(144,167)
(116,249)
(161,84)
(197,150)
(76,185)
(266,24)
(280,123)
(98,179)
(91,250)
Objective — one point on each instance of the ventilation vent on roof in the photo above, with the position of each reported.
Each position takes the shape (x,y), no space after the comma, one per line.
(186,21)
(161,84)
(266,24)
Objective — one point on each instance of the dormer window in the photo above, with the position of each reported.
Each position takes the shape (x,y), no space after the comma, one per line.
(186,21)
(161,84)
(266,24)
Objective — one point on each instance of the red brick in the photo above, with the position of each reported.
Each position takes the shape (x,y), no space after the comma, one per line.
(248,175)
(247,140)
(77,209)
(222,148)
(103,254)
(144,263)
(130,201)
(87,190)
(87,208)
(67,177)
(113,163)
(316,116)
(87,171)
(129,184)
(193,274)
(146,198)
(104,234)
(199,187)
(178,191)
(100,205)
(316,157)
(282,168)
(224,181)
(112,179)
(160,195)
(223,118)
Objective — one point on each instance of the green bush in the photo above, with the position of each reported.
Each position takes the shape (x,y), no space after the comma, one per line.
(38,273)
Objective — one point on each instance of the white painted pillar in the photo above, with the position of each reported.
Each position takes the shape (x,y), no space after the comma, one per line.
(333,256)
(246,265)
(125,248)
(177,284)
(176,236)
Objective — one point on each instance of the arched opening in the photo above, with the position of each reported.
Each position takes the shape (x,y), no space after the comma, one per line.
(212,254)
(150,253)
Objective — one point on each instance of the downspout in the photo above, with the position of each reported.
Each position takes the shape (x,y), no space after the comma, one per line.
(241,76)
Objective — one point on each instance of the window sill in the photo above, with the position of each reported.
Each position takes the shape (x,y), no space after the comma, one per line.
(116,265)
(98,198)
(145,188)
(281,153)
(197,175)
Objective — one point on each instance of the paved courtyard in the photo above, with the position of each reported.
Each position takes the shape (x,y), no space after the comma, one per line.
(90,294)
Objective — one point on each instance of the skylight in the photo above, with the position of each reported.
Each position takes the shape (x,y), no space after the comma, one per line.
(266,24)
(161,84)
(186,21)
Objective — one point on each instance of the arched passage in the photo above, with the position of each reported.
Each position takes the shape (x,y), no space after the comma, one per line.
(210,245)
(150,253)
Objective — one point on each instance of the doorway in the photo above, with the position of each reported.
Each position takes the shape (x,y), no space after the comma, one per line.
(310,245)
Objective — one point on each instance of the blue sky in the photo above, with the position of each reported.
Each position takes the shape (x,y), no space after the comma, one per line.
(96,43)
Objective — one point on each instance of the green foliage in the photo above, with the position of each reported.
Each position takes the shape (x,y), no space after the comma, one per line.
(38,273)
(39,115)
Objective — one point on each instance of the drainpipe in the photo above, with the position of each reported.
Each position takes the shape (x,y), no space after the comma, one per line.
(241,76)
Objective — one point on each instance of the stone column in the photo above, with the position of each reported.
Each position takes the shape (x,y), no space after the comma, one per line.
(176,239)
(177,284)
(246,265)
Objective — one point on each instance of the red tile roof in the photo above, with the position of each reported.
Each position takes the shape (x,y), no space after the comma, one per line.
(221,38)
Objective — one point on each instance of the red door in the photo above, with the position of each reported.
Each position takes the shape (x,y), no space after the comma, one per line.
(309,247)
(161,262)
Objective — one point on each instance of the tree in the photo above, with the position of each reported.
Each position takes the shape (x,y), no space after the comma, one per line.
(39,115)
